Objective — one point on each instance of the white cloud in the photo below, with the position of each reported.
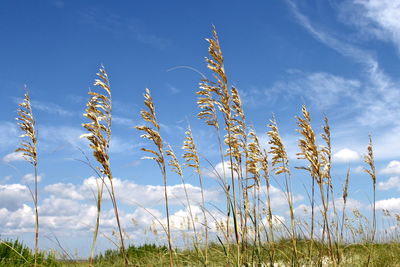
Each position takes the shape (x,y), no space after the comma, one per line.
(392,168)
(380,18)
(30,178)
(391,183)
(12,196)
(8,135)
(391,204)
(219,170)
(351,204)
(14,156)
(374,102)
(346,155)
(304,210)
(323,90)
(64,190)
(131,193)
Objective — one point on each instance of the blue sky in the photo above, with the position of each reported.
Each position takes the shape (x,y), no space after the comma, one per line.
(340,58)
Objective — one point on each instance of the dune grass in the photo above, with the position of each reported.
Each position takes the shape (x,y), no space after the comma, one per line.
(247,231)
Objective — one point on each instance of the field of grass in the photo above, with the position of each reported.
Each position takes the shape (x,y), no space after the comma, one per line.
(384,254)
(247,233)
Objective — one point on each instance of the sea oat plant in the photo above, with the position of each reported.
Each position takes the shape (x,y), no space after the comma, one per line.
(192,160)
(280,164)
(319,166)
(28,148)
(152,133)
(207,102)
(176,167)
(98,111)
(369,159)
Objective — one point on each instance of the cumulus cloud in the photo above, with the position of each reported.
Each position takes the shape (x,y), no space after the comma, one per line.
(30,178)
(131,193)
(12,196)
(392,183)
(304,210)
(64,190)
(14,156)
(392,168)
(346,155)
(59,206)
(391,204)
(219,170)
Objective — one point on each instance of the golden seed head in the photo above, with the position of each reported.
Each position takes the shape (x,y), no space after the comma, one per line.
(280,161)
(369,159)
(190,156)
(98,111)
(152,132)
(173,162)
(26,123)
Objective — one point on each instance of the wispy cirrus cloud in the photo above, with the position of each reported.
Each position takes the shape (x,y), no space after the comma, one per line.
(48,107)
(378,19)
(375,100)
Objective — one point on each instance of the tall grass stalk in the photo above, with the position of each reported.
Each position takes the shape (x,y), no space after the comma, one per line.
(99,112)
(344,197)
(152,133)
(319,167)
(280,164)
(223,101)
(369,159)
(28,148)
(192,160)
(176,167)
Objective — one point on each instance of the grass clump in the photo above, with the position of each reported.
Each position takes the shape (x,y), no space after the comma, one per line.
(15,253)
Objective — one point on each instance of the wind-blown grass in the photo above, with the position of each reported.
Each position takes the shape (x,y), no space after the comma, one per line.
(247,230)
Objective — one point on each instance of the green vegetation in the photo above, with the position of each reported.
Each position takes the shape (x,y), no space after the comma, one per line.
(14,253)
